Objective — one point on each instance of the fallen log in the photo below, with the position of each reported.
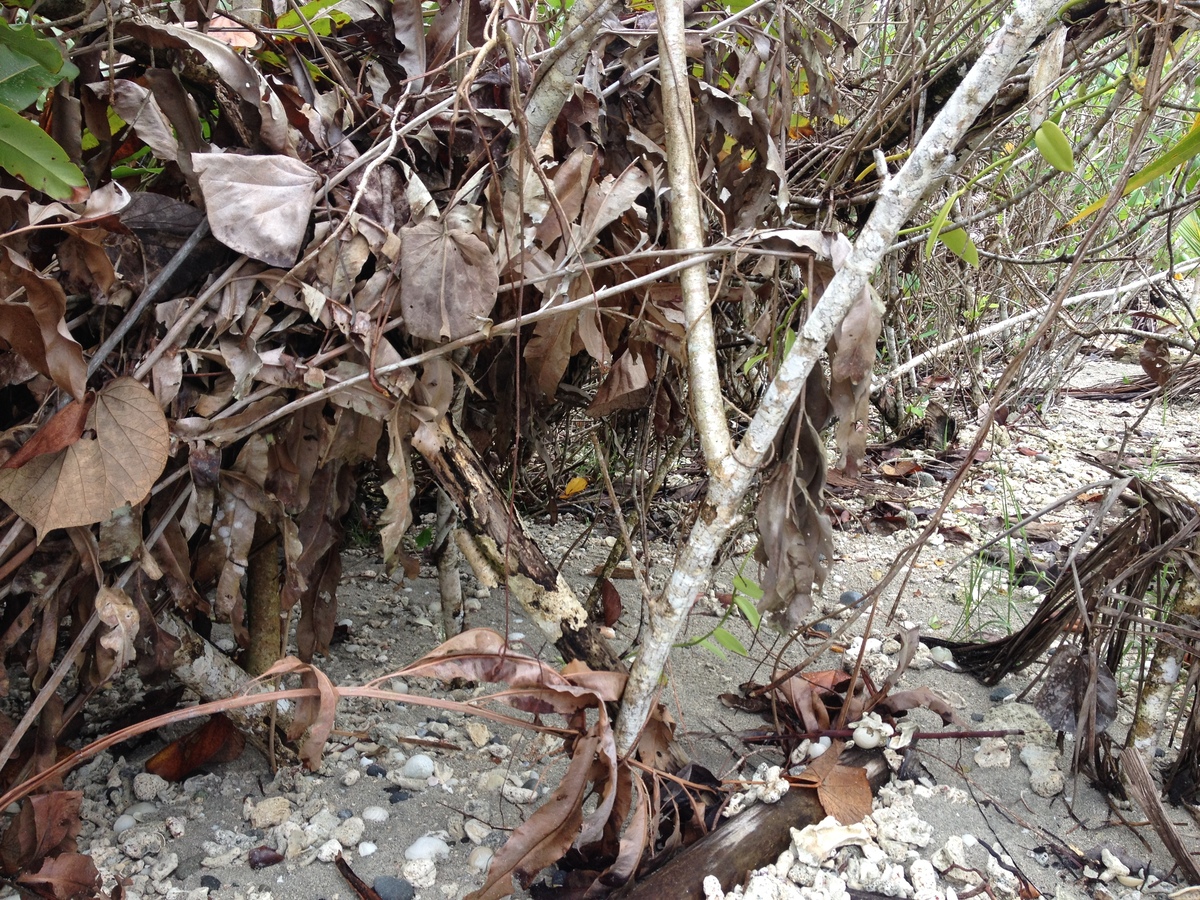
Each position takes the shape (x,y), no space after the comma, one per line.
(498,547)
(751,840)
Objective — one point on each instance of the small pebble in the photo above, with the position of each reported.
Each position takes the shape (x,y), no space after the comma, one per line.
(389,887)
(375,814)
(480,858)
(941,654)
(376,771)
(976,717)
(1000,693)
(212,882)
(422,873)
(351,778)
(143,812)
(419,766)
(147,786)
(397,794)
(850,598)
(427,847)
(366,848)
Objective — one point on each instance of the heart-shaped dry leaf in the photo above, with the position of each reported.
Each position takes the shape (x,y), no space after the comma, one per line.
(84,483)
(448,280)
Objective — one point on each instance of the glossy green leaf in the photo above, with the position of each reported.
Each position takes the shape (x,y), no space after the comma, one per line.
(29,64)
(1054,146)
(316,13)
(748,610)
(962,245)
(1188,147)
(729,642)
(746,586)
(712,648)
(939,222)
(33,156)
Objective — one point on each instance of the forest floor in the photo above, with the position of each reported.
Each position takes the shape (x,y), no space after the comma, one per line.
(193,839)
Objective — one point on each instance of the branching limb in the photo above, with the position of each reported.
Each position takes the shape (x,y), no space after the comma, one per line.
(897,201)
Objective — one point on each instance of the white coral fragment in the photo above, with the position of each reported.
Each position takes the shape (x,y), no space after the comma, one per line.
(768,785)
(814,843)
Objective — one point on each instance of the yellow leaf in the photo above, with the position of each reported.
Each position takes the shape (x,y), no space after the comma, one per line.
(576,485)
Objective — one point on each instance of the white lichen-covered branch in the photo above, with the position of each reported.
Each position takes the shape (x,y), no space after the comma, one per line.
(898,199)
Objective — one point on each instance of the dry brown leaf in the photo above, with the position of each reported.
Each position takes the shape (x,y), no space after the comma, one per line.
(37,329)
(448,280)
(216,741)
(258,205)
(548,833)
(120,618)
(67,876)
(1155,359)
(139,107)
(395,520)
(84,483)
(314,715)
(64,428)
(843,791)
(408,25)
(626,387)
(45,824)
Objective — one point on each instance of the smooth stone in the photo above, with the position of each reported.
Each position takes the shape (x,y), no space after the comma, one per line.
(366,848)
(124,823)
(375,814)
(418,767)
(143,812)
(480,858)
(476,831)
(1000,693)
(388,887)
(376,771)
(941,654)
(427,847)
(850,598)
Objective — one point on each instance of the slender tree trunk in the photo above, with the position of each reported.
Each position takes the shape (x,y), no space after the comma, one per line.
(262,600)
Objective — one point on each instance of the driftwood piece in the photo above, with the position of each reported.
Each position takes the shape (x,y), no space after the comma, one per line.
(503,544)
(750,841)
(212,675)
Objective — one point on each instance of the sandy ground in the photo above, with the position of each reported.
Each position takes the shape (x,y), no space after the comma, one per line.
(205,820)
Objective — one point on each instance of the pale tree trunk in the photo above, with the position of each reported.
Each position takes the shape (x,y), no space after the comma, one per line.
(446,555)
(731,472)
(1166,667)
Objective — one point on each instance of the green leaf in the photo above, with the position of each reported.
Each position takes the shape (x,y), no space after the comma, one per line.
(712,648)
(322,22)
(729,642)
(962,245)
(746,586)
(1054,146)
(1188,146)
(939,222)
(29,64)
(33,156)
(748,610)
(425,538)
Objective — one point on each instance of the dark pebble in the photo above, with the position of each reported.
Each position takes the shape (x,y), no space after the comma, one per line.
(397,794)
(1159,752)
(376,770)
(851,598)
(345,813)
(388,887)
(441,719)
(976,717)
(530,784)
(1000,692)
(212,882)
(823,627)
